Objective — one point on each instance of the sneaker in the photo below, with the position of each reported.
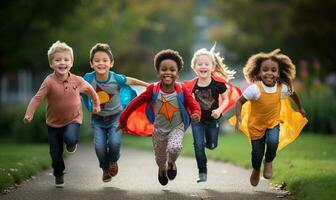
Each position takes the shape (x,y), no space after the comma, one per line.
(267,170)
(59,181)
(171,172)
(202,177)
(71,148)
(163,179)
(255,177)
(113,169)
(106,176)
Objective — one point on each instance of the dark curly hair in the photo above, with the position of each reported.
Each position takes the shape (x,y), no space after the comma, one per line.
(168,54)
(101,47)
(286,67)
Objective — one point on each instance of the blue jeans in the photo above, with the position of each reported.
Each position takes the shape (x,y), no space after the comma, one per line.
(271,138)
(205,134)
(107,141)
(68,134)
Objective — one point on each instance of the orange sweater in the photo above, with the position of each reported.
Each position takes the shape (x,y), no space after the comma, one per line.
(64,100)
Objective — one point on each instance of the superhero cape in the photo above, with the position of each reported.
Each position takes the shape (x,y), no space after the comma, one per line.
(290,127)
(138,124)
(233,91)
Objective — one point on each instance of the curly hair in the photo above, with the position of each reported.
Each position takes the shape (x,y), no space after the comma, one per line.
(168,54)
(220,68)
(101,47)
(59,46)
(286,67)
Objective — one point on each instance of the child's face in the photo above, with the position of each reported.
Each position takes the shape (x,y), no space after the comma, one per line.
(61,63)
(101,63)
(203,66)
(269,72)
(168,72)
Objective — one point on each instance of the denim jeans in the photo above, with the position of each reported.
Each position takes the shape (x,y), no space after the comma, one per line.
(68,134)
(107,141)
(271,139)
(205,134)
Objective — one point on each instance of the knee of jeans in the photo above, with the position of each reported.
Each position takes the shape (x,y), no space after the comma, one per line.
(199,146)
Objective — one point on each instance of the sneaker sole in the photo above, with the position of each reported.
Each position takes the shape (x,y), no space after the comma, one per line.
(60,185)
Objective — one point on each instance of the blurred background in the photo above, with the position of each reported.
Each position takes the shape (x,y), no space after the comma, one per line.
(136,30)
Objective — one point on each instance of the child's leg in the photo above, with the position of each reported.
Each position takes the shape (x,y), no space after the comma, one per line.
(272,141)
(175,138)
(100,141)
(71,133)
(258,149)
(160,141)
(211,134)
(114,140)
(198,132)
(55,140)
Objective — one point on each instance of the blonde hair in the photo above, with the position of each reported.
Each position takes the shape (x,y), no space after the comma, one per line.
(59,47)
(220,68)
(286,67)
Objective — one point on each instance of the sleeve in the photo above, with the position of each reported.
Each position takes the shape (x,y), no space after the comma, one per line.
(252,92)
(221,87)
(191,103)
(85,98)
(120,78)
(284,91)
(37,99)
(146,96)
(87,89)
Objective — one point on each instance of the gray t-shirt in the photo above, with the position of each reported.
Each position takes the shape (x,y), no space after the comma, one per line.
(167,112)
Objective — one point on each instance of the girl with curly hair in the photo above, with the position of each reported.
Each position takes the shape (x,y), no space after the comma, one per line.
(267,117)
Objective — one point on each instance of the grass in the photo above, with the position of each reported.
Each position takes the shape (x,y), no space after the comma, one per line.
(20,161)
(306,167)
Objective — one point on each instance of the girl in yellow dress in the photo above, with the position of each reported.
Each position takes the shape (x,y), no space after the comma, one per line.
(267,117)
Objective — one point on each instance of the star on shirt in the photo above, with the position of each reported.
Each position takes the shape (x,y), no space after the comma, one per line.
(167,109)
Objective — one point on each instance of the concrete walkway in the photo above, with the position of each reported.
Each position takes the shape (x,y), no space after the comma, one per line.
(137,179)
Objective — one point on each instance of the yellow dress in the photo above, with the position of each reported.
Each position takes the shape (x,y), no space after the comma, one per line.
(254,125)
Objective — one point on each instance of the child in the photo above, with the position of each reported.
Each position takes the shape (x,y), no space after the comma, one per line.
(168,107)
(64,109)
(107,84)
(271,75)
(215,96)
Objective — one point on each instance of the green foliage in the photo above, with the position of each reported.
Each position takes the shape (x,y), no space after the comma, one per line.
(303,29)
(320,105)
(19,162)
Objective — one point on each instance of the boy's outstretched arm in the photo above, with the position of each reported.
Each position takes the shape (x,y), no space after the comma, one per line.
(295,98)
(134,81)
(238,106)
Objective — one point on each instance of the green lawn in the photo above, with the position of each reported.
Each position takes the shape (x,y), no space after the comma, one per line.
(18,162)
(307,166)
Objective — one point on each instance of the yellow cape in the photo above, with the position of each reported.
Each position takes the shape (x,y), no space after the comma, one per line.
(291,126)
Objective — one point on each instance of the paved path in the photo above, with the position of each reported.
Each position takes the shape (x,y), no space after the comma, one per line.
(137,180)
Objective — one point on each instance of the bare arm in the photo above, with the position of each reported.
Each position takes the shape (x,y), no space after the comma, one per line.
(238,106)
(134,81)
(295,98)
(216,113)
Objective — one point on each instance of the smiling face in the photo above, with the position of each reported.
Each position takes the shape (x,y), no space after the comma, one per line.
(168,73)
(101,63)
(203,66)
(61,63)
(269,72)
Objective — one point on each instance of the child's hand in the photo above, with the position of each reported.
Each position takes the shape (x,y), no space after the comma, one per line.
(96,109)
(121,127)
(215,114)
(195,118)
(238,122)
(27,120)
(303,112)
